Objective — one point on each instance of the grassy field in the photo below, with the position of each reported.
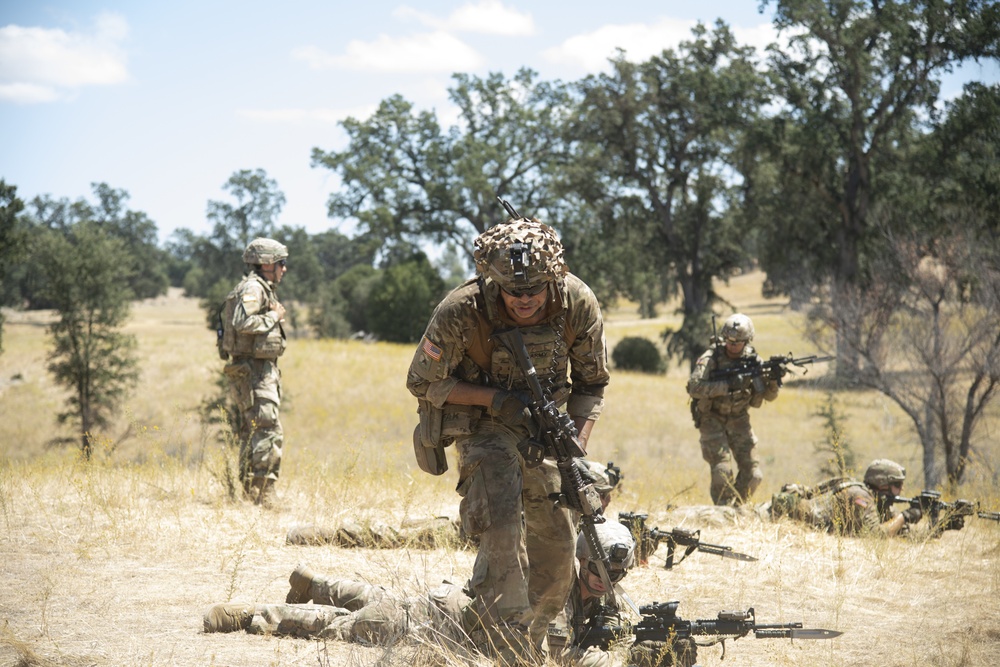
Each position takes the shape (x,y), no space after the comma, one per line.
(113,563)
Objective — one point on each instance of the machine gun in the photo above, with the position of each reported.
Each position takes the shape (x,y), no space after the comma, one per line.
(943,515)
(774,368)
(557,437)
(647,541)
(659,622)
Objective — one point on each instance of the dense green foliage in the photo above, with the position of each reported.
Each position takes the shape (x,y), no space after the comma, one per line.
(634,353)
(87,275)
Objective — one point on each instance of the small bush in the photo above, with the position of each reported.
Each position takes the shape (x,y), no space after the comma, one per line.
(638,354)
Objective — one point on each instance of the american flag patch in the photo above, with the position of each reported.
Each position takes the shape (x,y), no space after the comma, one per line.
(431,350)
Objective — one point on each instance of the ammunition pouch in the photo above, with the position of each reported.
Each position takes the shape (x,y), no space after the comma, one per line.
(428,445)
(532,451)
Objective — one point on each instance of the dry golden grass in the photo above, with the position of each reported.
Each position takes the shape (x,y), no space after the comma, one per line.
(114,562)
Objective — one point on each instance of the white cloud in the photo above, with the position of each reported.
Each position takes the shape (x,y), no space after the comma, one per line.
(330,116)
(44,64)
(759,36)
(489,17)
(428,52)
(590,51)
(27,93)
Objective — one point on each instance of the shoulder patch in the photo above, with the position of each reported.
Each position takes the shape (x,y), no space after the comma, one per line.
(247,298)
(861,502)
(431,350)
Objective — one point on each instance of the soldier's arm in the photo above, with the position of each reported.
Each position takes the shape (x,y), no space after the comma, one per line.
(699,386)
(588,357)
(438,354)
(249,316)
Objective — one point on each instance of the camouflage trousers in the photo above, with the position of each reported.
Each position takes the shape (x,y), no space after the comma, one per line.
(255,390)
(723,438)
(435,533)
(347,610)
(592,656)
(524,565)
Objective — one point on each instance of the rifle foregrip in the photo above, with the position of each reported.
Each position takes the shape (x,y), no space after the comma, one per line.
(772,633)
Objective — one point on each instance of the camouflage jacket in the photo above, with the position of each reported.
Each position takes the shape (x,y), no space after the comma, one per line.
(258,332)
(845,506)
(716,396)
(567,347)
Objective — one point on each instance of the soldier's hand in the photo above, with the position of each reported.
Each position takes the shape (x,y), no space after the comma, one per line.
(912,515)
(511,408)
(279,310)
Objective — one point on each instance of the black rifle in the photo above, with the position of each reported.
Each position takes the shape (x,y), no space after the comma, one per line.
(943,515)
(660,622)
(992,516)
(772,369)
(649,539)
(557,437)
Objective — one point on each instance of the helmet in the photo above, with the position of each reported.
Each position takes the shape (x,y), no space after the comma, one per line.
(520,253)
(264,251)
(737,327)
(883,472)
(617,542)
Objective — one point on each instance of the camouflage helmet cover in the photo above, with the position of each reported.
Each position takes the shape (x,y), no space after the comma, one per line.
(520,253)
(610,534)
(737,327)
(264,251)
(883,472)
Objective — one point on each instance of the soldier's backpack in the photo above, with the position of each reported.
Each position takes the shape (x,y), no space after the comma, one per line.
(225,334)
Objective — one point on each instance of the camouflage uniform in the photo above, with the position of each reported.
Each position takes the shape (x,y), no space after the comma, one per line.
(566,630)
(723,419)
(251,338)
(846,506)
(254,378)
(436,533)
(524,566)
(354,611)
(569,629)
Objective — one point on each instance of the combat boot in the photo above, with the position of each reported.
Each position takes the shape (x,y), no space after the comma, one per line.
(262,492)
(301,581)
(228,617)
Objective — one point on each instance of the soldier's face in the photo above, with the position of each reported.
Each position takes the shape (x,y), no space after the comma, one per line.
(592,584)
(274,272)
(525,309)
(734,348)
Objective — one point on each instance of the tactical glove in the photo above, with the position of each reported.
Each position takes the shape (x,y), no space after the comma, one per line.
(912,515)
(511,408)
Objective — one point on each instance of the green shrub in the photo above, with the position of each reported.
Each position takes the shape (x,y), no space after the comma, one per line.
(638,354)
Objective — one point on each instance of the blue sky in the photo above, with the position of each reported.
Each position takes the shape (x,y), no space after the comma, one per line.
(167,100)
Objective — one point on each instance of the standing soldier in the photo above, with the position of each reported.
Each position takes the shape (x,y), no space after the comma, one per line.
(721,409)
(253,339)
(472,392)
